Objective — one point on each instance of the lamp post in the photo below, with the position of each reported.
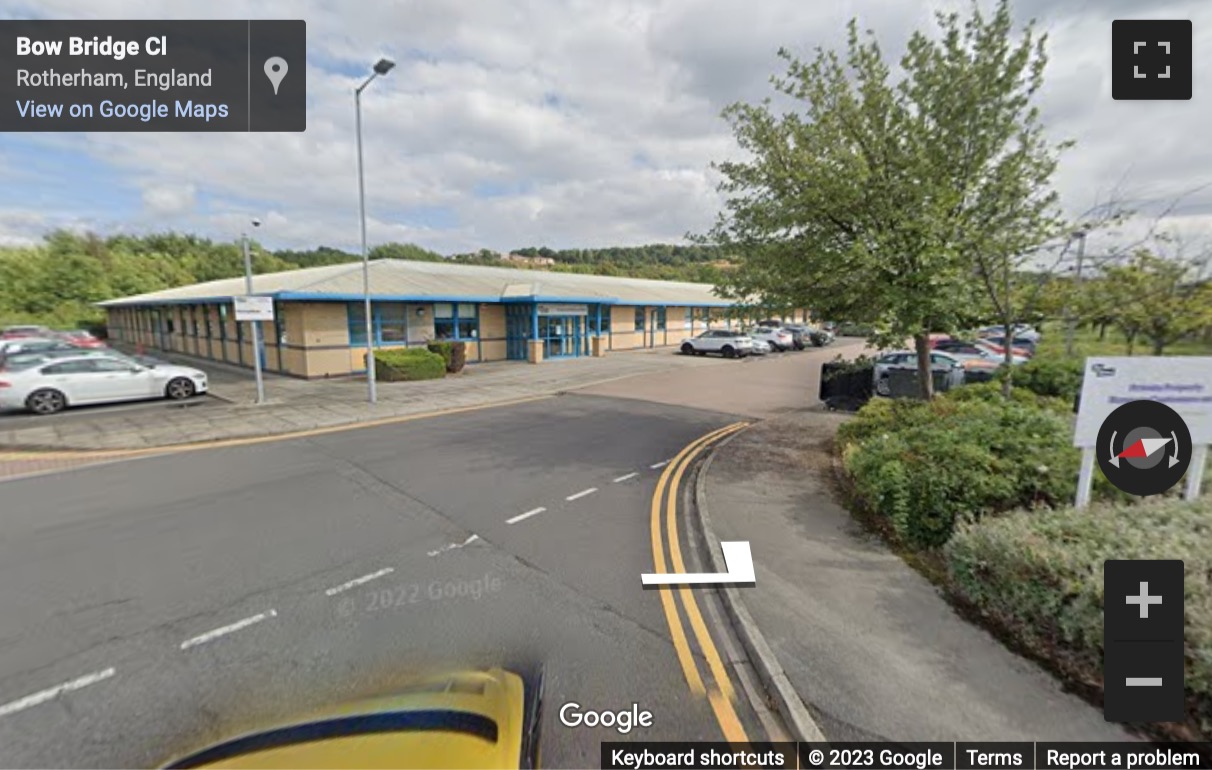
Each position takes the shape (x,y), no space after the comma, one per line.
(256,325)
(1071,320)
(382,67)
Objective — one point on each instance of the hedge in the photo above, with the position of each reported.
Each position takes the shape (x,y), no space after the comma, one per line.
(924,465)
(400,364)
(1051,375)
(454,354)
(1037,576)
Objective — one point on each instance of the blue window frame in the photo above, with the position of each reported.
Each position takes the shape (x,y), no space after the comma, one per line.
(456,321)
(660,318)
(356,313)
(391,323)
(602,312)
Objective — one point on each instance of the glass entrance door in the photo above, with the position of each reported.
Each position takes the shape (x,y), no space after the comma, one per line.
(563,335)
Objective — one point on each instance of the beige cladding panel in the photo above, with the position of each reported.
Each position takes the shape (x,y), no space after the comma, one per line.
(622,318)
(492,321)
(325,323)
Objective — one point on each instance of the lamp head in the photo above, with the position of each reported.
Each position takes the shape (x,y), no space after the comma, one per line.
(383,66)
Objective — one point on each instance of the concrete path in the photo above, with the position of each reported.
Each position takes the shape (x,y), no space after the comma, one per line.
(870,646)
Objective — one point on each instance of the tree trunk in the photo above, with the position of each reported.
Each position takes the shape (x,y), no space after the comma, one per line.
(1131,342)
(1159,346)
(925,374)
(1102,331)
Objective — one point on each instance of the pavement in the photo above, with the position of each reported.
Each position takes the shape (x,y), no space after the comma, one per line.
(871,647)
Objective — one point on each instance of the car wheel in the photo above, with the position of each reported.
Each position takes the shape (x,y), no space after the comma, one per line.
(46,401)
(728,351)
(179,389)
(882,387)
(687,349)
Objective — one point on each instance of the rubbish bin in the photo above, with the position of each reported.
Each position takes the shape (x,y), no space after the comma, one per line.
(844,386)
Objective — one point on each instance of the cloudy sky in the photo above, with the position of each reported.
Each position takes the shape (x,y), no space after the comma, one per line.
(567,123)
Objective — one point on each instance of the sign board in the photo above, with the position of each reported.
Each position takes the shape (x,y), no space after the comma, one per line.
(1184,383)
(254,308)
(563,309)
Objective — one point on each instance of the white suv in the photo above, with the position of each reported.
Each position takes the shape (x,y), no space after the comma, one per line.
(726,342)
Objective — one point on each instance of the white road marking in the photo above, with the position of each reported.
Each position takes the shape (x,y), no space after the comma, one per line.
(452,546)
(581,494)
(210,636)
(359,581)
(42,697)
(526,515)
(624,478)
(661,464)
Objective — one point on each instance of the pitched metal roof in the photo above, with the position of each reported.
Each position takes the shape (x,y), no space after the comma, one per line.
(405,280)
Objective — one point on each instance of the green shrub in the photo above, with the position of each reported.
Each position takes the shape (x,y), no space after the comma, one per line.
(1051,375)
(924,466)
(1037,575)
(454,354)
(992,392)
(399,364)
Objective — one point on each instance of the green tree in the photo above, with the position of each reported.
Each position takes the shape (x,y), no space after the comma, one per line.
(1161,299)
(409,251)
(875,201)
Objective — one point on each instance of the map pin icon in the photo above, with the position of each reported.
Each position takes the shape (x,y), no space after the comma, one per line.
(275,70)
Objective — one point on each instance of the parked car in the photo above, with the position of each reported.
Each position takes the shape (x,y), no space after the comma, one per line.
(907,359)
(760,348)
(772,323)
(800,335)
(821,337)
(997,351)
(1020,345)
(24,360)
(726,342)
(830,326)
(80,338)
(13,332)
(780,339)
(94,379)
(32,345)
(1021,331)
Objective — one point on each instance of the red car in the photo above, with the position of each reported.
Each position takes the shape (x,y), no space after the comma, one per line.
(80,338)
(16,332)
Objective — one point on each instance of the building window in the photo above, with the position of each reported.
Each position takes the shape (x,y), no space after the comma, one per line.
(168,325)
(223,322)
(356,313)
(639,318)
(689,322)
(210,325)
(603,314)
(456,321)
(279,324)
(392,320)
(660,319)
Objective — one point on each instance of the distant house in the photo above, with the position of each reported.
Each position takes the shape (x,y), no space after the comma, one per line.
(524,260)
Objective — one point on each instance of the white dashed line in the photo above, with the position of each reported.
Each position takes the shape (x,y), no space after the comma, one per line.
(581,494)
(37,698)
(210,636)
(526,515)
(661,464)
(624,478)
(358,581)
(452,546)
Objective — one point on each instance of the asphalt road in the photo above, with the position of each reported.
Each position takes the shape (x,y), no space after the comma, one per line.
(116,580)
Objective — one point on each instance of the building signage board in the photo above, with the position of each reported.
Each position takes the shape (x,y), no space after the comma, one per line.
(254,308)
(1184,383)
(563,309)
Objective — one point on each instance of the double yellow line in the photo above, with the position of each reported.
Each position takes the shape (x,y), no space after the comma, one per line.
(721,693)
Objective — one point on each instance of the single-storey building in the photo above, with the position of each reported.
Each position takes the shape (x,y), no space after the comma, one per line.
(319,327)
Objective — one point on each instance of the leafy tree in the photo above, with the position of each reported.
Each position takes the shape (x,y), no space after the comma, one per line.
(409,251)
(1163,300)
(879,200)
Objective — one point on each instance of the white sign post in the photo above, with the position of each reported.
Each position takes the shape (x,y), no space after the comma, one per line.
(254,310)
(1183,383)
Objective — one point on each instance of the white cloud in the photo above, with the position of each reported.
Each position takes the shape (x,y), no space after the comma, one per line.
(598,119)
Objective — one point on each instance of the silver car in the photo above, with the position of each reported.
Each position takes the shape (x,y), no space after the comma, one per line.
(726,342)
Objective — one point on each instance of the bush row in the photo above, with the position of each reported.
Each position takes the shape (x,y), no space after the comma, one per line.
(968,453)
(402,364)
(1038,577)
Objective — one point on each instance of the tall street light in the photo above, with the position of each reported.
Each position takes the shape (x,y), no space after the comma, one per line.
(256,325)
(382,67)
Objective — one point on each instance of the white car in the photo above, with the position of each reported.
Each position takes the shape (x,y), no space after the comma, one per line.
(33,345)
(760,348)
(92,379)
(779,339)
(726,342)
